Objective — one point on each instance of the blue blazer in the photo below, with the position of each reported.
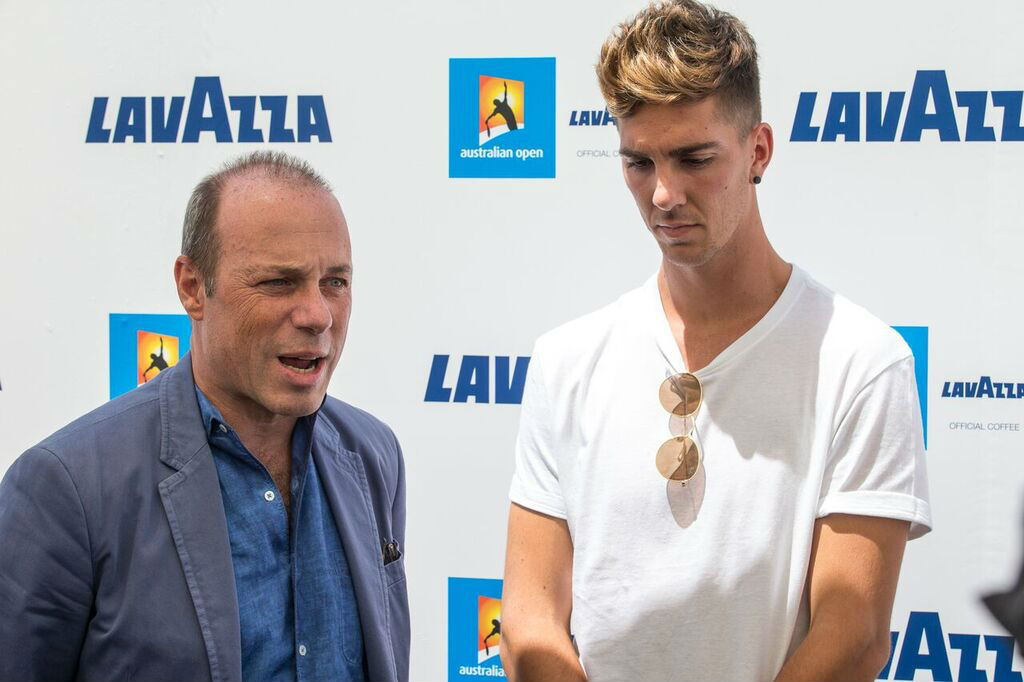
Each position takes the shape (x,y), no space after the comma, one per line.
(114,554)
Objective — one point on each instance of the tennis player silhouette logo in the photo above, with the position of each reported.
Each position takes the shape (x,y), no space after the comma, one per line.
(502,108)
(496,632)
(159,362)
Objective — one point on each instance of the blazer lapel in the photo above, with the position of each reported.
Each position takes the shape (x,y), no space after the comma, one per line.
(349,497)
(195,511)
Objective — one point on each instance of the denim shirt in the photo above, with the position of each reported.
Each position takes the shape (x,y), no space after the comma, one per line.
(297,609)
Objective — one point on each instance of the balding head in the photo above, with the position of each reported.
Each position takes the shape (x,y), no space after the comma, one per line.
(200,242)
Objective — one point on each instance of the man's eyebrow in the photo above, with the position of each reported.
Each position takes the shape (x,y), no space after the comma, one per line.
(687,150)
(692,149)
(293,271)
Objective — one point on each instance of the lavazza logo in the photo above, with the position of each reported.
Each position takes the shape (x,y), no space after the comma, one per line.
(924,648)
(985,388)
(254,118)
(932,107)
(585,120)
(475,377)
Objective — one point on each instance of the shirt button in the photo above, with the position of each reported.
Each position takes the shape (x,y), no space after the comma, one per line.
(223,429)
(269,496)
(302,650)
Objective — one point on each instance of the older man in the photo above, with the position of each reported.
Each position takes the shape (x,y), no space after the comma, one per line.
(227,520)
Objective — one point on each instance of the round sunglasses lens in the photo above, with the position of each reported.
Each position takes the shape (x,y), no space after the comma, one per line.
(678,458)
(680,394)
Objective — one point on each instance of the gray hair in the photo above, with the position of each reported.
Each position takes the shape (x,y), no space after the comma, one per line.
(199,240)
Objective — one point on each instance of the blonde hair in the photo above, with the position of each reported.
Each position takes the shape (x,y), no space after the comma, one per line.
(681,51)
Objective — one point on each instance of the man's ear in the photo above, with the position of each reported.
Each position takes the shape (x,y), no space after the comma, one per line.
(191,291)
(764,146)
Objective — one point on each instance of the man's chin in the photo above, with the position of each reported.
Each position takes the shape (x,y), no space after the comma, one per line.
(292,405)
(686,255)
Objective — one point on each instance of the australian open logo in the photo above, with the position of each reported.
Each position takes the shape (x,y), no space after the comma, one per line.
(143,346)
(502,118)
(474,629)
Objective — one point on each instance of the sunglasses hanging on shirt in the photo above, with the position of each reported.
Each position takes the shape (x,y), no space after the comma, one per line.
(679,457)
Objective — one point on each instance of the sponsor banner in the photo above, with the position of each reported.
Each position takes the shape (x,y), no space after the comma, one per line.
(142,346)
(929,113)
(178,118)
(474,629)
(924,650)
(474,378)
(501,118)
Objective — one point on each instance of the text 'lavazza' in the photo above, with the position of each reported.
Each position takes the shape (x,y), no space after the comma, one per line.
(207,112)
(864,116)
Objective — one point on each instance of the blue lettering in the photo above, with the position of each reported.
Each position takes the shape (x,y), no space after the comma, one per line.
(881,126)
(96,131)
(971,389)
(1003,647)
(131,120)
(1010,101)
(436,391)
(207,88)
(312,119)
(975,102)
(985,387)
(246,108)
(968,646)
(165,128)
(843,117)
(930,84)
(945,390)
(572,118)
(803,131)
(911,660)
(474,379)
(277,105)
(509,391)
(1020,391)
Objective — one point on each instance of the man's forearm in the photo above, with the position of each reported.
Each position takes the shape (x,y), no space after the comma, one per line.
(833,651)
(541,660)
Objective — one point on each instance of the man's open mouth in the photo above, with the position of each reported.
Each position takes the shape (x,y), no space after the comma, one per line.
(300,365)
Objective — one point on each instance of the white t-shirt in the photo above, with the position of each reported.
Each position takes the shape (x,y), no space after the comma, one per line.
(813,411)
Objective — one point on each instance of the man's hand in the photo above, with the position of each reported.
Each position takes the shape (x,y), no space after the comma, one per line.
(537,600)
(854,568)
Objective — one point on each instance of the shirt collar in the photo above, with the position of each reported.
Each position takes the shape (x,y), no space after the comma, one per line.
(212,419)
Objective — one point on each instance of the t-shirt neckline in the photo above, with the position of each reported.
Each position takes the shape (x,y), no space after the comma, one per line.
(666,342)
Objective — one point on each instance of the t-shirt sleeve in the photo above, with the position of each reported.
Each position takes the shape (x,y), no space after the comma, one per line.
(876,464)
(535,481)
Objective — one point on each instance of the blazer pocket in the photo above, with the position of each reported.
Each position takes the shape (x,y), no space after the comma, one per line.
(394,572)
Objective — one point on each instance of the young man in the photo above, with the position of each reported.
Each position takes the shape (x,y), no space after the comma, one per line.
(716,475)
(228,520)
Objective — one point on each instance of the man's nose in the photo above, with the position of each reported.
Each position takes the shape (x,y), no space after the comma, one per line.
(668,192)
(312,312)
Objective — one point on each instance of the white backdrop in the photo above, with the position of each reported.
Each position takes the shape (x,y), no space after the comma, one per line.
(921,233)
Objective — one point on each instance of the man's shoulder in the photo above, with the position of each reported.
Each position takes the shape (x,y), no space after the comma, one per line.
(853,333)
(119,420)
